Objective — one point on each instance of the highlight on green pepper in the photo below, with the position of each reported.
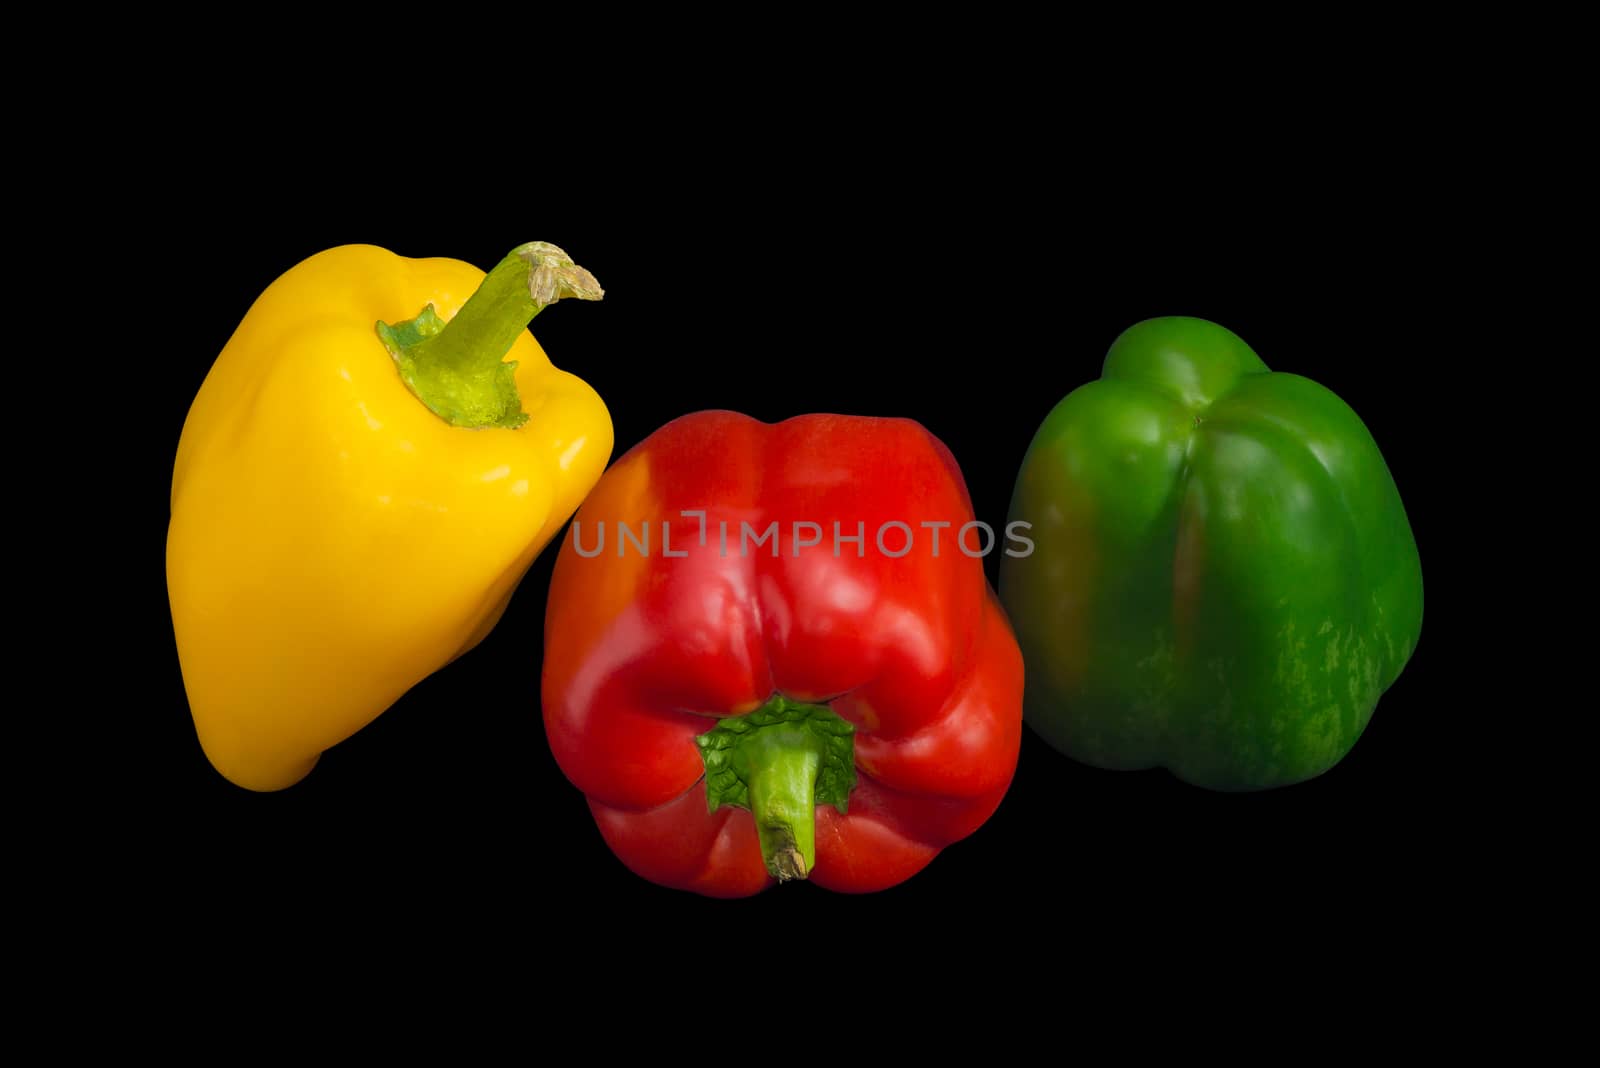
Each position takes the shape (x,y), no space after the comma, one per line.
(1224,580)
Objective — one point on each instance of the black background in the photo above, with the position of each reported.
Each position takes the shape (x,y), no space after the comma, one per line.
(969,296)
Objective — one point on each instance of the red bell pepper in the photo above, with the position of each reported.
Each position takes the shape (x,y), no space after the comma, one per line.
(746,692)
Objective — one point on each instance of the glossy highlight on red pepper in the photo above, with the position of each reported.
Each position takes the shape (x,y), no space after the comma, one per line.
(742,712)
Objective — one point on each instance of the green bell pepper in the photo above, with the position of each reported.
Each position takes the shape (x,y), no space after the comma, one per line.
(1223,579)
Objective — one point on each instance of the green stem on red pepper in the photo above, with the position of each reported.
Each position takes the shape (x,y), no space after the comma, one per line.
(780,762)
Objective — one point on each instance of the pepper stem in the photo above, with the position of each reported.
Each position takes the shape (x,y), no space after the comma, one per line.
(781,762)
(779,766)
(457,369)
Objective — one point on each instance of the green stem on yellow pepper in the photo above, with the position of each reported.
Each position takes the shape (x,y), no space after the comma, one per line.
(458,369)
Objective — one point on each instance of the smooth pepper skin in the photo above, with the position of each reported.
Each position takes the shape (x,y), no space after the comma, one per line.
(1224,580)
(332,540)
(645,652)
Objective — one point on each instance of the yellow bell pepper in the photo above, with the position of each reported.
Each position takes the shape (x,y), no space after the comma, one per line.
(353,503)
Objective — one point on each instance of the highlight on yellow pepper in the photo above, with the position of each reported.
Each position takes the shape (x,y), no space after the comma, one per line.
(359,488)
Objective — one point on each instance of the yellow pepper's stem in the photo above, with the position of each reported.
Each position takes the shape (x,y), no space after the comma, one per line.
(458,368)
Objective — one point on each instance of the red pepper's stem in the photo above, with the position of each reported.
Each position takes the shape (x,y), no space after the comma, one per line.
(780,772)
(781,762)
(457,368)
